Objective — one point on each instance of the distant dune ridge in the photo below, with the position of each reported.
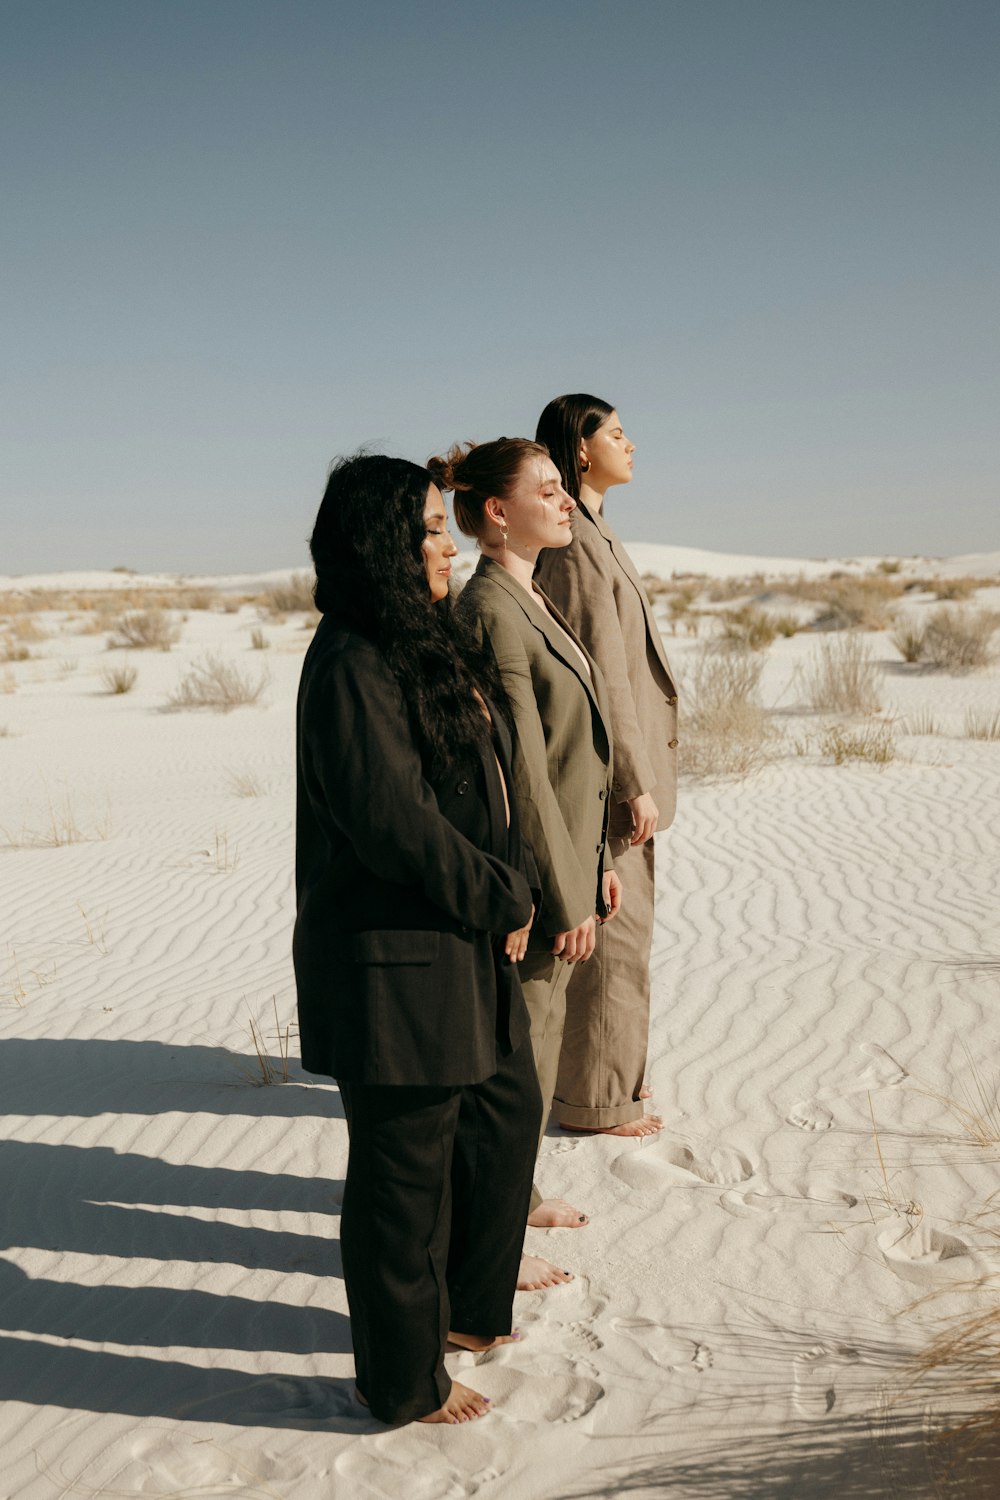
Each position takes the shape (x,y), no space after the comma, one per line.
(756,1284)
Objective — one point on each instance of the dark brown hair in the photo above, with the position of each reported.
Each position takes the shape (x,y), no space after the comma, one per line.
(561,426)
(477,471)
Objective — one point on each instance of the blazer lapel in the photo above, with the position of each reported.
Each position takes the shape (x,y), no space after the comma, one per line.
(535,616)
(628,568)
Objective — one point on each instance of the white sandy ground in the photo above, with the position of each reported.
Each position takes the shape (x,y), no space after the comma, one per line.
(173,1318)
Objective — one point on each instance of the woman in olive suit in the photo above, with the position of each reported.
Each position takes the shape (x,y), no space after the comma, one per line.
(509,496)
(413,906)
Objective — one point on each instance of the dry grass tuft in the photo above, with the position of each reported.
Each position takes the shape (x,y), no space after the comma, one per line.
(959,640)
(266,1074)
(786,624)
(955,588)
(293,597)
(858,603)
(841,677)
(147,629)
(119,679)
(8,681)
(725,729)
(14,651)
(921,722)
(908,640)
(750,627)
(258,640)
(872,741)
(245,783)
(216,683)
(982,723)
(60,829)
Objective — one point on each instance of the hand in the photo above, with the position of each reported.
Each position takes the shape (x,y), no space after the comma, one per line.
(645,816)
(577,944)
(516,945)
(611,890)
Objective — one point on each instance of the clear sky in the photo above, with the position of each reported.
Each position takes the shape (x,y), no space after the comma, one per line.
(242,236)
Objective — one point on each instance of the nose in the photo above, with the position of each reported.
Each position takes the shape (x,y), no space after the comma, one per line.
(450,549)
(568,503)
(629,445)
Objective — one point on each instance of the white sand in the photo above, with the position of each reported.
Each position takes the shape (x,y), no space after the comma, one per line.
(827,945)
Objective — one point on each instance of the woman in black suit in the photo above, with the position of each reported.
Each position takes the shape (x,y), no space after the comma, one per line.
(414,905)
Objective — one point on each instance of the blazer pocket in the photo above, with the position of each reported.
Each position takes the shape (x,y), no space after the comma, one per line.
(394,946)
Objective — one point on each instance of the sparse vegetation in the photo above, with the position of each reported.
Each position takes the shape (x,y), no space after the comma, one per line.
(955,588)
(786,625)
(8,682)
(293,597)
(119,679)
(908,639)
(215,683)
(245,783)
(14,651)
(750,627)
(725,729)
(872,741)
(841,677)
(982,723)
(146,629)
(922,722)
(858,603)
(258,640)
(959,640)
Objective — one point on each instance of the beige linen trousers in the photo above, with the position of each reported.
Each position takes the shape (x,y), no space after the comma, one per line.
(594,584)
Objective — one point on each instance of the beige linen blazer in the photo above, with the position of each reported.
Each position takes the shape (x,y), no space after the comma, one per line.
(594,583)
(562,745)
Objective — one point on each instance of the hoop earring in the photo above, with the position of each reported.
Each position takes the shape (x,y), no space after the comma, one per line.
(585,468)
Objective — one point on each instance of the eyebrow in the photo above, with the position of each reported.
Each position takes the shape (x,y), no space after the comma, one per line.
(435,515)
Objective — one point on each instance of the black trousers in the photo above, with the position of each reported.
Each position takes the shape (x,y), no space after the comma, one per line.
(432,1224)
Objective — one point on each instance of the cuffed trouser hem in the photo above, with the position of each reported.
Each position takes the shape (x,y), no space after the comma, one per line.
(580,1117)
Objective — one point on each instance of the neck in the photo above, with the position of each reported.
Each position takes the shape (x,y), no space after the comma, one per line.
(591,495)
(519,562)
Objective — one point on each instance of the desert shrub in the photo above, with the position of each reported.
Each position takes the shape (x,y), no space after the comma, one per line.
(908,640)
(982,723)
(922,722)
(858,603)
(146,629)
(723,590)
(119,679)
(11,650)
(656,586)
(197,599)
(872,741)
(725,729)
(841,677)
(889,565)
(216,683)
(750,627)
(955,588)
(8,681)
(786,624)
(258,640)
(959,640)
(293,597)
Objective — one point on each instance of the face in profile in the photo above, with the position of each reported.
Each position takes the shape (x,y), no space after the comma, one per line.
(437,548)
(609,453)
(538,511)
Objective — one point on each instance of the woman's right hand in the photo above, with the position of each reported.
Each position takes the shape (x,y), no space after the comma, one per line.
(577,944)
(516,943)
(645,816)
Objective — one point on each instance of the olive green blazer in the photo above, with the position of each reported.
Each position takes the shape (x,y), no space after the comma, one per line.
(562,745)
(594,583)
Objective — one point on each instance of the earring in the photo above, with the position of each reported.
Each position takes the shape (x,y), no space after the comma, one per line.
(505,532)
(585,467)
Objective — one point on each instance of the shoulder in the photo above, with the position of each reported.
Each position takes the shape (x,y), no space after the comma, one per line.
(342,662)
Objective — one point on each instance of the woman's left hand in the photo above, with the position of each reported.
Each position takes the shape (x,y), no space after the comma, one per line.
(611,889)
(516,945)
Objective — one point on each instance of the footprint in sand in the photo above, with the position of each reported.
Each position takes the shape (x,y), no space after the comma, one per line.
(814,1376)
(716,1166)
(670,1351)
(882,1071)
(918,1252)
(413,1461)
(555,1391)
(817,1204)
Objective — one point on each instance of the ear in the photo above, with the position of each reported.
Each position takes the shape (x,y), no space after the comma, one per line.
(493,509)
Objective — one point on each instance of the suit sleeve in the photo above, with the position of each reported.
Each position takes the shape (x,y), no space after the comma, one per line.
(583,581)
(567,889)
(358,739)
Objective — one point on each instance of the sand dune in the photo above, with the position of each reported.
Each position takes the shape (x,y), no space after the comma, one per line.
(171,1310)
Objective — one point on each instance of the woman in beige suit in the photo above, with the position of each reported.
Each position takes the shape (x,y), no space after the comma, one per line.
(595,585)
(508,495)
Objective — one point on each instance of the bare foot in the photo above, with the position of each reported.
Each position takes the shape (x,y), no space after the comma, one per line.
(535,1274)
(648,1125)
(462,1405)
(480,1342)
(556,1213)
(645,1092)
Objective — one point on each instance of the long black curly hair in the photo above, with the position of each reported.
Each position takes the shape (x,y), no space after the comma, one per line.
(366,548)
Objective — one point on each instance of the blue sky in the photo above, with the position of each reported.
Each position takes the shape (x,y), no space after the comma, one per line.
(242,236)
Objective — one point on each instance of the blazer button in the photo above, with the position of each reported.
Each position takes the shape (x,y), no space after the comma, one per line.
(463,787)
(603,793)
(599,848)
(672,744)
(672,701)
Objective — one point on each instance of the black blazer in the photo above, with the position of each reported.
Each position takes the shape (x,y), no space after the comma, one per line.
(403,883)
